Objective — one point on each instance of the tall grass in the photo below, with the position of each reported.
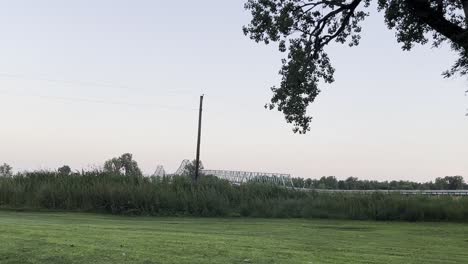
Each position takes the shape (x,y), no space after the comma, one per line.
(176,196)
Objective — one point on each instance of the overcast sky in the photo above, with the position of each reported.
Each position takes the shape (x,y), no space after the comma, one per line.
(84,81)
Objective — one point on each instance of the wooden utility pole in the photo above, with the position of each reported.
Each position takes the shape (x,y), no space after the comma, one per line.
(197,161)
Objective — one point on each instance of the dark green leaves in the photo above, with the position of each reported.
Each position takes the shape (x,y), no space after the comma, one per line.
(303,29)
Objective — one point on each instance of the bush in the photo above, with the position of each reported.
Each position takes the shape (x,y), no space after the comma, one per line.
(116,193)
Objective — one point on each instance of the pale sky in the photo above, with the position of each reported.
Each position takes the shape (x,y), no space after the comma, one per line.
(83,81)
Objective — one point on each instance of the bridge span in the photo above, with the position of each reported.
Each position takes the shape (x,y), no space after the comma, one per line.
(404,192)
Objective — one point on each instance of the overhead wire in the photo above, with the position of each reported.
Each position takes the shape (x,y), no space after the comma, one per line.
(85,99)
(99,101)
(80,83)
(176,92)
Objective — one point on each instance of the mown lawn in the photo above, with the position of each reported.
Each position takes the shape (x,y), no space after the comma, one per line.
(88,238)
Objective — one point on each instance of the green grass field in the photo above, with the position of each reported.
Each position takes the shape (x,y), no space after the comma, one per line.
(88,238)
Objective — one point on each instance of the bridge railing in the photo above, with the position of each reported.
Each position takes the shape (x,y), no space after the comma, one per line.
(404,192)
(239,177)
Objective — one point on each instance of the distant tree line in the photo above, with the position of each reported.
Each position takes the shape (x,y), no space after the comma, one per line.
(353,183)
(125,165)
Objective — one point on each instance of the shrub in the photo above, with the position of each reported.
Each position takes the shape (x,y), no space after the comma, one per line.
(116,193)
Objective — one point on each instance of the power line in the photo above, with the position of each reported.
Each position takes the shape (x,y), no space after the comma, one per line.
(82,83)
(100,101)
(177,92)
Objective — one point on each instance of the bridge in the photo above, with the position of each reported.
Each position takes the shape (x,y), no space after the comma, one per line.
(238,177)
(235,177)
(282,179)
(404,192)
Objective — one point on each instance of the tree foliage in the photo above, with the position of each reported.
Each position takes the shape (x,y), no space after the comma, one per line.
(64,170)
(303,28)
(450,183)
(353,183)
(190,168)
(6,170)
(123,165)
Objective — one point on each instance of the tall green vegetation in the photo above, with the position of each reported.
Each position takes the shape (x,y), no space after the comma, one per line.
(116,193)
(121,188)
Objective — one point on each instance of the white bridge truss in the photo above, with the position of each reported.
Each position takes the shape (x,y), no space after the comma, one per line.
(238,177)
(159,172)
(183,167)
(234,177)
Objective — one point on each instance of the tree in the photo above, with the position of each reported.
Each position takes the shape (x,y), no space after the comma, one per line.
(308,183)
(351,183)
(298,182)
(329,182)
(190,168)
(64,170)
(450,183)
(441,184)
(6,170)
(305,27)
(123,165)
(455,182)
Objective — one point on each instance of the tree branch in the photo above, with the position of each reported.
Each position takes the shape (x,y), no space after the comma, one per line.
(465,10)
(431,17)
(320,42)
